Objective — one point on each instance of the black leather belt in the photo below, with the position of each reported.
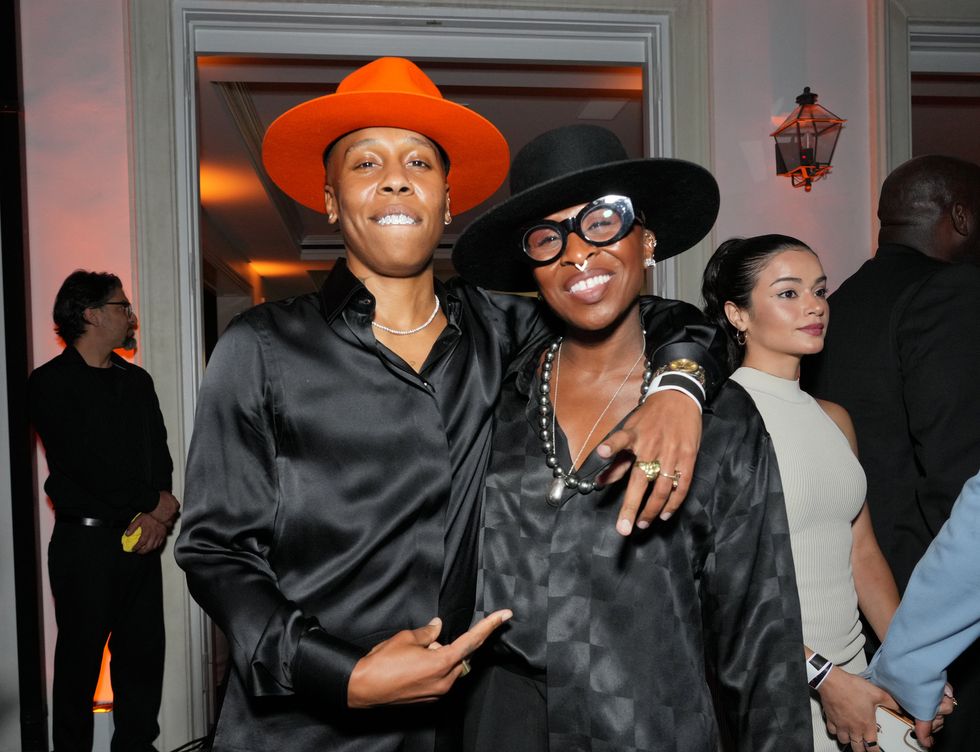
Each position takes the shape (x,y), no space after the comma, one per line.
(73,519)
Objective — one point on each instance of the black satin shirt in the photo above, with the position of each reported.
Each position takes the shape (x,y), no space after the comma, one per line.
(332,500)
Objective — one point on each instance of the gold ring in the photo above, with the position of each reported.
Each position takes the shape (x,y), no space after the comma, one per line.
(674,479)
(466,667)
(650,468)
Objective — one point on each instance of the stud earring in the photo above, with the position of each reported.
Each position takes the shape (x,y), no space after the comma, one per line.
(649,263)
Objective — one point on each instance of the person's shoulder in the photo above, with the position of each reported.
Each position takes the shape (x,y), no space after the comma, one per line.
(964,276)
(52,369)
(948,288)
(134,371)
(674,308)
(277,313)
(478,297)
(841,419)
(891,270)
(733,412)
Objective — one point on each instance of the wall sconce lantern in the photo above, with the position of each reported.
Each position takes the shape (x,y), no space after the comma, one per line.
(806,140)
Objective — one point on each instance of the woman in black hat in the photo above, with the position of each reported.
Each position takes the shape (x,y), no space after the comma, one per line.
(614,638)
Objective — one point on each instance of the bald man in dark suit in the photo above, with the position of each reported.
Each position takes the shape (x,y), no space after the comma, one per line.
(903,357)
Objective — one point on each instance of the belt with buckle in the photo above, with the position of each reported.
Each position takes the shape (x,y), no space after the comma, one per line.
(73,519)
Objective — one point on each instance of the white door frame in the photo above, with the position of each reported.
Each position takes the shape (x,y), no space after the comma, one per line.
(921,36)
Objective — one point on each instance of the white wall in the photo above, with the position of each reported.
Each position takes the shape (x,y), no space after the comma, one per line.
(763,53)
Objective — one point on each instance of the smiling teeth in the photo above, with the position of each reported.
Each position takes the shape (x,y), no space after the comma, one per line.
(588,284)
(396,219)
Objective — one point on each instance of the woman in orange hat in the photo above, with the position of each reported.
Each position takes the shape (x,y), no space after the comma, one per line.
(341,438)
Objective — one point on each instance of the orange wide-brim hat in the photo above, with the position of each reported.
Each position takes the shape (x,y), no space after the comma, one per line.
(388,92)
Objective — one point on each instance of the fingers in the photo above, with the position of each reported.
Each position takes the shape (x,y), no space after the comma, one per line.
(947,706)
(153,536)
(684,468)
(869,739)
(425,636)
(618,469)
(665,498)
(923,732)
(615,444)
(469,641)
(636,490)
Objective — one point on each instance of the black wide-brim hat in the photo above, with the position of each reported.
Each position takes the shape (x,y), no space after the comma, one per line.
(572,165)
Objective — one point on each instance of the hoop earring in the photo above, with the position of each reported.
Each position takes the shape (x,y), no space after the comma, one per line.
(740,337)
(448,220)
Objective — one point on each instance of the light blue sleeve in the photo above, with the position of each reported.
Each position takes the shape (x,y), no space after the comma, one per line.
(939,616)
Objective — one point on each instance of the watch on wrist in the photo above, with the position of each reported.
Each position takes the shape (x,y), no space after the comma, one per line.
(683,365)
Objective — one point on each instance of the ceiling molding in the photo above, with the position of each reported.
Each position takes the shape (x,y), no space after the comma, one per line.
(238,101)
(944,47)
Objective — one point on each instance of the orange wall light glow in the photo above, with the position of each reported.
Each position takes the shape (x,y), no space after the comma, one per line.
(286,268)
(223,185)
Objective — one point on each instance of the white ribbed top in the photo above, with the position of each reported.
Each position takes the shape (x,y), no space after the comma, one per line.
(824,487)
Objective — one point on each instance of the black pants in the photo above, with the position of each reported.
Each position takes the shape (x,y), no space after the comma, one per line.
(99,589)
(505,711)
(961,732)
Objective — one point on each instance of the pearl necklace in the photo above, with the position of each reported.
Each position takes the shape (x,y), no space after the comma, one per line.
(546,423)
(432,317)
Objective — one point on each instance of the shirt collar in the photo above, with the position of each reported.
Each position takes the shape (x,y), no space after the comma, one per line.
(75,358)
(342,290)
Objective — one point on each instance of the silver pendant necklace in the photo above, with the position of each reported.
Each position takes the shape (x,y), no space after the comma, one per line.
(546,422)
(401,332)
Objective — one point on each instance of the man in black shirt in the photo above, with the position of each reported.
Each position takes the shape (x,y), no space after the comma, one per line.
(106,447)
(341,438)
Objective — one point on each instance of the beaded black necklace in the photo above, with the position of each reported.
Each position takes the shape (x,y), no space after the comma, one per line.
(546,425)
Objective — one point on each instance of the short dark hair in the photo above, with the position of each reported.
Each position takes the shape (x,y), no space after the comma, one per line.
(82,289)
(732,273)
(923,188)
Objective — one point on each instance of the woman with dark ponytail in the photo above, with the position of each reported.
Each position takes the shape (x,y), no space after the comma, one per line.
(768,293)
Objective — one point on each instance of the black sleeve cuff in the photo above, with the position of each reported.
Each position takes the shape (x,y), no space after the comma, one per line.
(322,667)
